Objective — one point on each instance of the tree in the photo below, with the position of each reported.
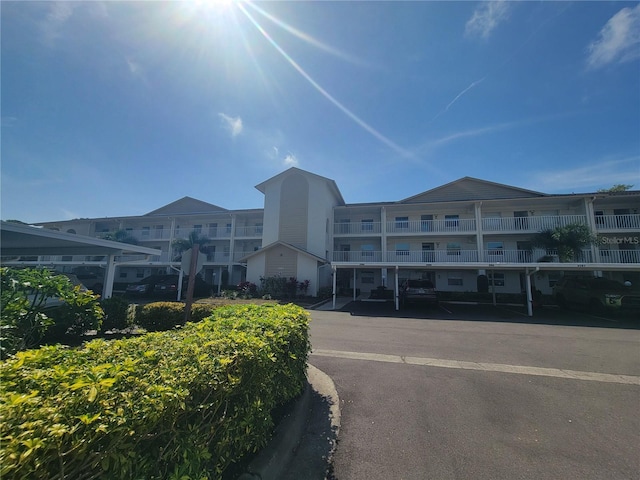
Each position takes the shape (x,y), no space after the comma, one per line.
(568,241)
(122,236)
(618,187)
(37,303)
(193,242)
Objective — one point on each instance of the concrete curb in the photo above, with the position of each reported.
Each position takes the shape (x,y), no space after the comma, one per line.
(296,436)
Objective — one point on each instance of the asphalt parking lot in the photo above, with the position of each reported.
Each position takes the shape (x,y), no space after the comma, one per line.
(476,391)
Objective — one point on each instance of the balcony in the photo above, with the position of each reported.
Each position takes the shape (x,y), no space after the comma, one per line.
(253,231)
(618,222)
(530,224)
(452,225)
(488,256)
(357,228)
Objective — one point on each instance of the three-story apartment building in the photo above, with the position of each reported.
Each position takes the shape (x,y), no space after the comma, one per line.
(449,234)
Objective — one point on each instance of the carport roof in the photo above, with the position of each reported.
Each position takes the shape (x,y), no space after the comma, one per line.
(25,240)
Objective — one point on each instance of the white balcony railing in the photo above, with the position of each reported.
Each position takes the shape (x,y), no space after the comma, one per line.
(357,228)
(618,222)
(432,226)
(619,256)
(250,231)
(488,256)
(530,224)
(358,256)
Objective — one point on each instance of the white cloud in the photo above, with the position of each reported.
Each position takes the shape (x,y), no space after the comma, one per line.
(486,18)
(290,160)
(59,14)
(234,125)
(618,41)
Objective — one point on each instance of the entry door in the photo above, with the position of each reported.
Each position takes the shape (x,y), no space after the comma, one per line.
(521,220)
(426,222)
(428,252)
(524,252)
(622,217)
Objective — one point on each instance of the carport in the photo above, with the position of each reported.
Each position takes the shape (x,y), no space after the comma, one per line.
(528,269)
(18,240)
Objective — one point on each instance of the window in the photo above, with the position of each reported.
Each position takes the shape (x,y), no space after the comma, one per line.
(140,273)
(495,248)
(367,251)
(213,229)
(402,222)
(146,231)
(367,277)
(366,225)
(258,228)
(225,250)
(402,249)
(158,231)
(197,228)
(496,279)
(344,225)
(453,249)
(599,217)
(123,274)
(228,228)
(455,280)
(451,221)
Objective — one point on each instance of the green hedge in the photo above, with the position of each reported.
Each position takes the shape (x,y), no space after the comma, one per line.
(161,316)
(182,404)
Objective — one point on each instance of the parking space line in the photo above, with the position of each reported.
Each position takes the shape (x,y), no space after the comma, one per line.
(483,366)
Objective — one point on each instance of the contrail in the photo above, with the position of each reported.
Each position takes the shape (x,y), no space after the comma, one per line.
(322,91)
(463,92)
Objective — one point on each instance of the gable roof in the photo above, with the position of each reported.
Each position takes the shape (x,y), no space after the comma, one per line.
(186,206)
(331,183)
(286,245)
(469,188)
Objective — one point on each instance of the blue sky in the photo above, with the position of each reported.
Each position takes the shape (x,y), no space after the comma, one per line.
(118,108)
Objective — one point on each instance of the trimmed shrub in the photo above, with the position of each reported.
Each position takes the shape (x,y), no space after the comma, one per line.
(181,404)
(116,313)
(162,316)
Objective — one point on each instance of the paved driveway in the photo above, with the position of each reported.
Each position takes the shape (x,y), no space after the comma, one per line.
(481,394)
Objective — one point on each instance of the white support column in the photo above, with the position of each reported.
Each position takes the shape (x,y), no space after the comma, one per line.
(397,292)
(180,277)
(479,234)
(354,284)
(335,274)
(528,288)
(591,222)
(383,231)
(109,276)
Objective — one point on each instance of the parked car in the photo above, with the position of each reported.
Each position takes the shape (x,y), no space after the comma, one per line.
(168,286)
(50,302)
(422,291)
(596,294)
(91,277)
(145,287)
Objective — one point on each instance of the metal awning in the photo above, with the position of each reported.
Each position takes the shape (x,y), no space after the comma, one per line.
(24,240)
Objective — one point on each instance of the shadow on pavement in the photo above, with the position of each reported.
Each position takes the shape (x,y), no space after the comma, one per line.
(548,315)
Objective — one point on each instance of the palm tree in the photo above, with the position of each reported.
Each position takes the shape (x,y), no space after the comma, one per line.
(568,240)
(193,242)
